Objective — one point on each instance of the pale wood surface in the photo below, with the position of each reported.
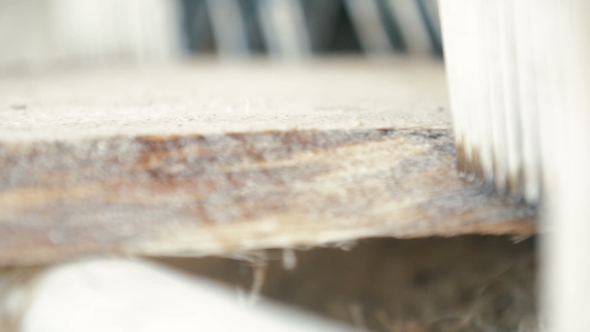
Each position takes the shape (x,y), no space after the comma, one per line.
(208,97)
(207,159)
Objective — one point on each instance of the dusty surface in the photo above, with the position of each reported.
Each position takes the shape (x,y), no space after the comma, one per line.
(215,98)
(471,283)
(160,162)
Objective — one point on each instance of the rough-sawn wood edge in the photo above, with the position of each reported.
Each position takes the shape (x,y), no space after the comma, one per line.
(215,194)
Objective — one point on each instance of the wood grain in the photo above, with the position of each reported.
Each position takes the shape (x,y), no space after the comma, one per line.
(220,193)
(214,192)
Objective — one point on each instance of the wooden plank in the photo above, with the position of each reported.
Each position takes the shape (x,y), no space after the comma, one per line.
(152,162)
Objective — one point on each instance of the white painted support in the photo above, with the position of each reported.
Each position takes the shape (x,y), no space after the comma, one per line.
(123,295)
(537,51)
(567,251)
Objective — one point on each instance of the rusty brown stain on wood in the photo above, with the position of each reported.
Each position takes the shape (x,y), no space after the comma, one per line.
(217,193)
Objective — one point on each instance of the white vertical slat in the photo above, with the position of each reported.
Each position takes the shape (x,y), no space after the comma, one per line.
(507,49)
(369,27)
(119,295)
(229,28)
(567,253)
(412,26)
(283,27)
